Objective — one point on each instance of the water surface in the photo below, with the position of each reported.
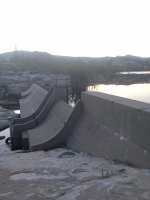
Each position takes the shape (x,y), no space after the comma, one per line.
(140,92)
(135,72)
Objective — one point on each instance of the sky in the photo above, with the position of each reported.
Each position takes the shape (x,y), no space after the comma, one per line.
(94,28)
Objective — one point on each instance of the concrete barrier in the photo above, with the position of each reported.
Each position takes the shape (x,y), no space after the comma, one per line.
(114,128)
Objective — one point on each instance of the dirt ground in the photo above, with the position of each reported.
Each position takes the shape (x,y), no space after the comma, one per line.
(63,174)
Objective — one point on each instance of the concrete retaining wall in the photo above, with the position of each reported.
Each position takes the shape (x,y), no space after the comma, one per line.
(114,128)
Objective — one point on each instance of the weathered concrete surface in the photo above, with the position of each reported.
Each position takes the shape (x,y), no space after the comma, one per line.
(34,108)
(52,132)
(28,106)
(114,128)
(63,174)
(26,92)
(31,103)
(50,127)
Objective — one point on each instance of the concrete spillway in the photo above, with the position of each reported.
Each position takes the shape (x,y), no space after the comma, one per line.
(53,131)
(31,102)
(45,120)
(50,127)
(33,112)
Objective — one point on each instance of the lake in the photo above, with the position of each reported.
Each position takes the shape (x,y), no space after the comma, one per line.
(140,92)
(135,72)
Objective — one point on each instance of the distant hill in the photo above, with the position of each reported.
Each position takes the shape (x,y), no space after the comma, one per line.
(42,60)
(78,67)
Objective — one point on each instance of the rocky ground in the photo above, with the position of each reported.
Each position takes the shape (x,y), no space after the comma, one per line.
(12,83)
(63,174)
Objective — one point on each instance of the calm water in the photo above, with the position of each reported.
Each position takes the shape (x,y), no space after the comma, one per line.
(136,72)
(140,92)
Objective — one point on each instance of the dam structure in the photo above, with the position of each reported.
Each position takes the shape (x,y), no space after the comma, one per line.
(45,119)
(101,125)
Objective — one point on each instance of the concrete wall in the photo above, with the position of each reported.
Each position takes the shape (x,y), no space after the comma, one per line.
(114,128)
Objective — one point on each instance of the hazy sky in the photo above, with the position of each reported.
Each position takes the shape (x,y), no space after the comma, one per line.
(76,27)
